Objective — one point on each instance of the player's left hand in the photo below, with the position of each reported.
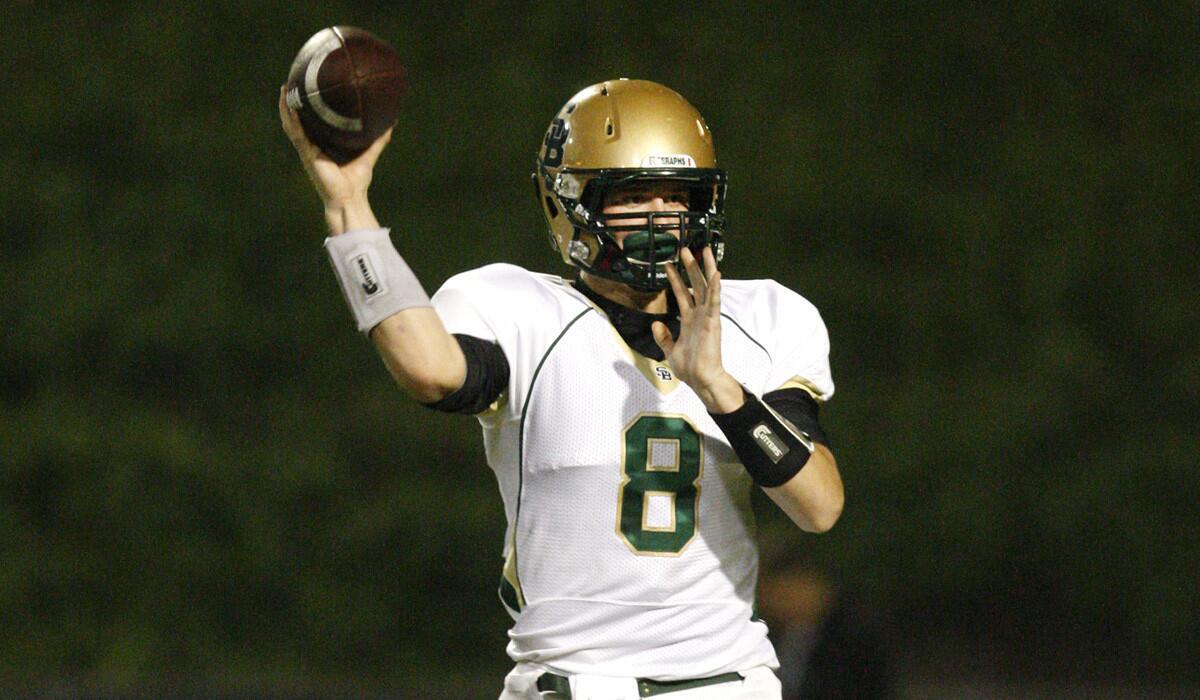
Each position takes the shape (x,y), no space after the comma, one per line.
(695,356)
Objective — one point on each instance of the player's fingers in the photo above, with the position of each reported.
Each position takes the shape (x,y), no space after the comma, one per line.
(695,276)
(293,129)
(713,279)
(713,304)
(662,336)
(682,296)
(371,155)
(286,115)
(710,260)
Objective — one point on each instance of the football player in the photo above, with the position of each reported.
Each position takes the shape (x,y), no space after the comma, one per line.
(626,413)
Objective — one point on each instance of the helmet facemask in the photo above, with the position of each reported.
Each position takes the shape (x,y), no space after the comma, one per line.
(633,248)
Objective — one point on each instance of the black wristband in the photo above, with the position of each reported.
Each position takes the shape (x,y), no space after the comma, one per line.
(771,450)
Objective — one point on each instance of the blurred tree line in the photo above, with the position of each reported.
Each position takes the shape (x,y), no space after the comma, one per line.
(204,473)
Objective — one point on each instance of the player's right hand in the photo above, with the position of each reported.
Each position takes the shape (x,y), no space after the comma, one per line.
(339,186)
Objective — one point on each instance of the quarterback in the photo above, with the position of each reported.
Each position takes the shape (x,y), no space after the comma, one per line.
(627,413)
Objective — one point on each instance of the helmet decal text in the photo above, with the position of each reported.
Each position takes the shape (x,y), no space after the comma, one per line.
(673,161)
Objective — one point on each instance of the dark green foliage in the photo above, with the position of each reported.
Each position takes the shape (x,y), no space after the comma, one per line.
(204,473)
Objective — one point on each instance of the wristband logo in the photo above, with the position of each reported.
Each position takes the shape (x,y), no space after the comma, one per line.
(365,272)
(769,442)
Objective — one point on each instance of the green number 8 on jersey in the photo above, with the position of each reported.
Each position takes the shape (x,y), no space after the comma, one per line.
(660,485)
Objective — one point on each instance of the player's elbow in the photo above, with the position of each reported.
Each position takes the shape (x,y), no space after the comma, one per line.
(814,498)
(823,519)
(813,507)
(428,366)
(429,384)
(828,493)
(427,379)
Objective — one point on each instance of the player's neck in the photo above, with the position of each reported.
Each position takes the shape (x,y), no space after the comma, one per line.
(623,294)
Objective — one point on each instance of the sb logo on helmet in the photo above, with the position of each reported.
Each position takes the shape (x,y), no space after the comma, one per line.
(556,136)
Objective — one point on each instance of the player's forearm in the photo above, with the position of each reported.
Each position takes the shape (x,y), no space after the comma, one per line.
(388,301)
(814,498)
(349,214)
(425,360)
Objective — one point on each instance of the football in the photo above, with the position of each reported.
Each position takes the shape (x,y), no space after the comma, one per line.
(346,85)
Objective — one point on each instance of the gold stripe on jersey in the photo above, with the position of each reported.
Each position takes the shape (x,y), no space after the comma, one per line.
(799,382)
(510,576)
(659,374)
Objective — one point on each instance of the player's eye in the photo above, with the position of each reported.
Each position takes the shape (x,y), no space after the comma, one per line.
(628,197)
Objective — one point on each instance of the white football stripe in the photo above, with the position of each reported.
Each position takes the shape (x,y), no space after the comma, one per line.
(328,45)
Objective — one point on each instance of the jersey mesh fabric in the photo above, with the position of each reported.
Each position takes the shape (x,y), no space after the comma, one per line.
(565,447)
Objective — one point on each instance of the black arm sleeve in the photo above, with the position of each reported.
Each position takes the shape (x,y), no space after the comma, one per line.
(772,445)
(487,377)
(801,409)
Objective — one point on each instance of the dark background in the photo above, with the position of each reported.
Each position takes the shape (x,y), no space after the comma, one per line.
(207,479)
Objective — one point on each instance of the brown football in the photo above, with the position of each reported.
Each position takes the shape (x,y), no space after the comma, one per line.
(346,85)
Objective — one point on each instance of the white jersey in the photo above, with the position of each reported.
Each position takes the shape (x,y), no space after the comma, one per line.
(630,547)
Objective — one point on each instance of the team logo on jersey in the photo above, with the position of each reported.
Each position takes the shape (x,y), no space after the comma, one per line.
(663,373)
(769,442)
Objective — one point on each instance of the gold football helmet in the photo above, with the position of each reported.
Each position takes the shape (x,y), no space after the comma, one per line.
(615,133)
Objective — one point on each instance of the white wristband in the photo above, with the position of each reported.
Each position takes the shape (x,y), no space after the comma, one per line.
(374,278)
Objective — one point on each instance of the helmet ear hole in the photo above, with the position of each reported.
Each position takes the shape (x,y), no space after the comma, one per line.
(592,197)
(700,198)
